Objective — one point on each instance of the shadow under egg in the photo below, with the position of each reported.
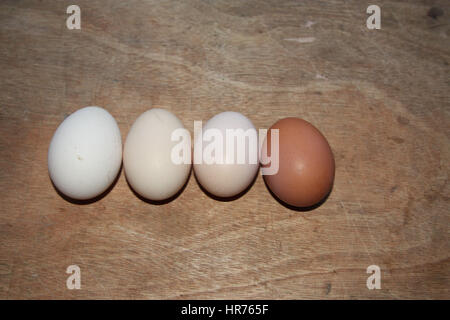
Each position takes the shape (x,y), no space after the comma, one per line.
(299,209)
(164,201)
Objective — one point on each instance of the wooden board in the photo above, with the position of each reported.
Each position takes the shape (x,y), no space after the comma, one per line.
(381,97)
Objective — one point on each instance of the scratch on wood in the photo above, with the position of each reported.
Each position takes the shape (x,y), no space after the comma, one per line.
(302,40)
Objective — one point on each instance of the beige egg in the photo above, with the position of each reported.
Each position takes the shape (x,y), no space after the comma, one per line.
(151,160)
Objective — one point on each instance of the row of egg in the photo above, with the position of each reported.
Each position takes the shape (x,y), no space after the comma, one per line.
(85,156)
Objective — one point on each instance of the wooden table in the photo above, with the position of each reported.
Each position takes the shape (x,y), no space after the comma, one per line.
(381,97)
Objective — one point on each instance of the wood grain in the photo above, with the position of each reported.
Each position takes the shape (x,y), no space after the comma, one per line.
(381,97)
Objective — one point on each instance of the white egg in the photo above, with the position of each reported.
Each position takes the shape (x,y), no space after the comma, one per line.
(85,153)
(226,138)
(149,152)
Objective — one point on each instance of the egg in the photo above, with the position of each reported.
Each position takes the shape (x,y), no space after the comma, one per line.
(226,154)
(305,163)
(85,153)
(157,155)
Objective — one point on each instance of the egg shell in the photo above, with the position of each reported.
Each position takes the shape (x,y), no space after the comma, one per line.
(221,179)
(306,163)
(148,165)
(85,153)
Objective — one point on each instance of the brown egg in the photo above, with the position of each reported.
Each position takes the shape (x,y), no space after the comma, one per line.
(305,165)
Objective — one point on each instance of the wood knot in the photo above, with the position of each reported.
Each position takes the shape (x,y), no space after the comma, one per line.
(435,12)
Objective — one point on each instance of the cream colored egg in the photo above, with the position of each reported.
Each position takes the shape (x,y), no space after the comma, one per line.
(152,150)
